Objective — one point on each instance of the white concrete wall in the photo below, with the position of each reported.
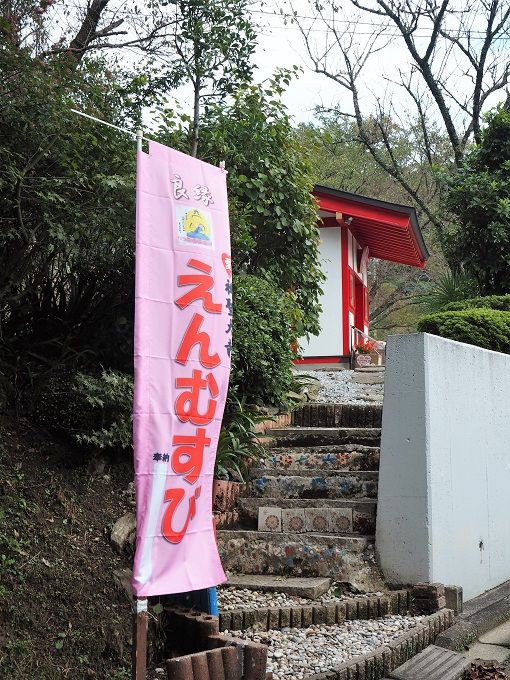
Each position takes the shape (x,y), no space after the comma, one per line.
(329,342)
(444,486)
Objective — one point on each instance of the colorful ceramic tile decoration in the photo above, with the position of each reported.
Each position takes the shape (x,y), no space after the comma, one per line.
(270,519)
(317,520)
(342,459)
(340,520)
(260,484)
(363,522)
(293,520)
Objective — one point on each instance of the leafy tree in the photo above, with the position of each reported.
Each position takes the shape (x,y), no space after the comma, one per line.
(214,43)
(273,215)
(262,341)
(49,29)
(66,215)
(479,198)
(341,160)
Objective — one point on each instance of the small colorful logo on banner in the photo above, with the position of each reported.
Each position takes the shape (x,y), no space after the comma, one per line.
(194,226)
(183,326)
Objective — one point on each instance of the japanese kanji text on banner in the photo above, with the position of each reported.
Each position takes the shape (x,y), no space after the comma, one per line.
(183,326)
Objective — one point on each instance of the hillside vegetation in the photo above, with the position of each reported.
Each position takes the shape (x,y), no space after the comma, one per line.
(61,614)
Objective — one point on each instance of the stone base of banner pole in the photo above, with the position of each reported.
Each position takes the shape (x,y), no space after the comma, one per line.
(140,625)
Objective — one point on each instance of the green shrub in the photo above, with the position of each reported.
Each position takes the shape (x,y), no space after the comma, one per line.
(262,341)
(500,302)
(486,328)
(96,410)
(91,410)
(238,442)
(55,404)
(111,398)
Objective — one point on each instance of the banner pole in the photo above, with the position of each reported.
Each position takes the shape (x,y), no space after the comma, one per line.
(140,625)
(140,605)
(138,135)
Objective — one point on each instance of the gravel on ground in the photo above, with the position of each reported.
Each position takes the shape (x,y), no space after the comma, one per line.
(339,387)
(230,598)
(294,653)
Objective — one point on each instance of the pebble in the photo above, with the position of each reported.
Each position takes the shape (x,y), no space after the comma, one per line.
(299,652)
(230,598)
(338,387)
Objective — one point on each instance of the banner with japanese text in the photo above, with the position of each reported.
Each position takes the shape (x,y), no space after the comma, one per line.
(183,331)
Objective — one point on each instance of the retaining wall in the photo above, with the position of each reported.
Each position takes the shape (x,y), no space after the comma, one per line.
(444,476)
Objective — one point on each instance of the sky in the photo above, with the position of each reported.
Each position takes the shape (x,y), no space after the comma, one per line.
(281,44)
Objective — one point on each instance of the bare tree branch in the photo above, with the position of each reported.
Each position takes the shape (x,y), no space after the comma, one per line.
(461,44)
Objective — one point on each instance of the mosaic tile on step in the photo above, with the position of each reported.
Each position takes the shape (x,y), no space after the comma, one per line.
(293,520)
(270,519)
(340,520)
(317,520)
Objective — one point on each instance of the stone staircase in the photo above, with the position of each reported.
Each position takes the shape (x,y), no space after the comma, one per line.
(310,508)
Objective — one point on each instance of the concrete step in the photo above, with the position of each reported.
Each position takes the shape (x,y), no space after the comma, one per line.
(363,377)
(311,587)
(276,483)
(434,663)
(339,457)
(323,436)
(343,558)
(482,651)
(338,415)
(363,510)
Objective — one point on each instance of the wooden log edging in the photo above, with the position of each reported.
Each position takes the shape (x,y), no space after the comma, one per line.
(206,654)
(302,616)
(338,415)
(225,656)
(385,659)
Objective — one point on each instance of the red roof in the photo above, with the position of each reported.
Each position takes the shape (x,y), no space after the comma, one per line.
(391,231)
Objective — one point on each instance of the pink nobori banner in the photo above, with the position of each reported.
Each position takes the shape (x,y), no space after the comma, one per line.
(183,330)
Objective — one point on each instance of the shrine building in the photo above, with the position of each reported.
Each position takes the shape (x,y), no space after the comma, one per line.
(352,230)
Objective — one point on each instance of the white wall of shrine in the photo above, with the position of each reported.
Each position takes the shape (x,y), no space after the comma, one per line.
(330,340)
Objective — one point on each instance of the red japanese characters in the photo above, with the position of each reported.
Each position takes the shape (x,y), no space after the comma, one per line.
(188,450)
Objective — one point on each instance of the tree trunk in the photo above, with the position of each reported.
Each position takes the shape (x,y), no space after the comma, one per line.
(87,32)
(196,119)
